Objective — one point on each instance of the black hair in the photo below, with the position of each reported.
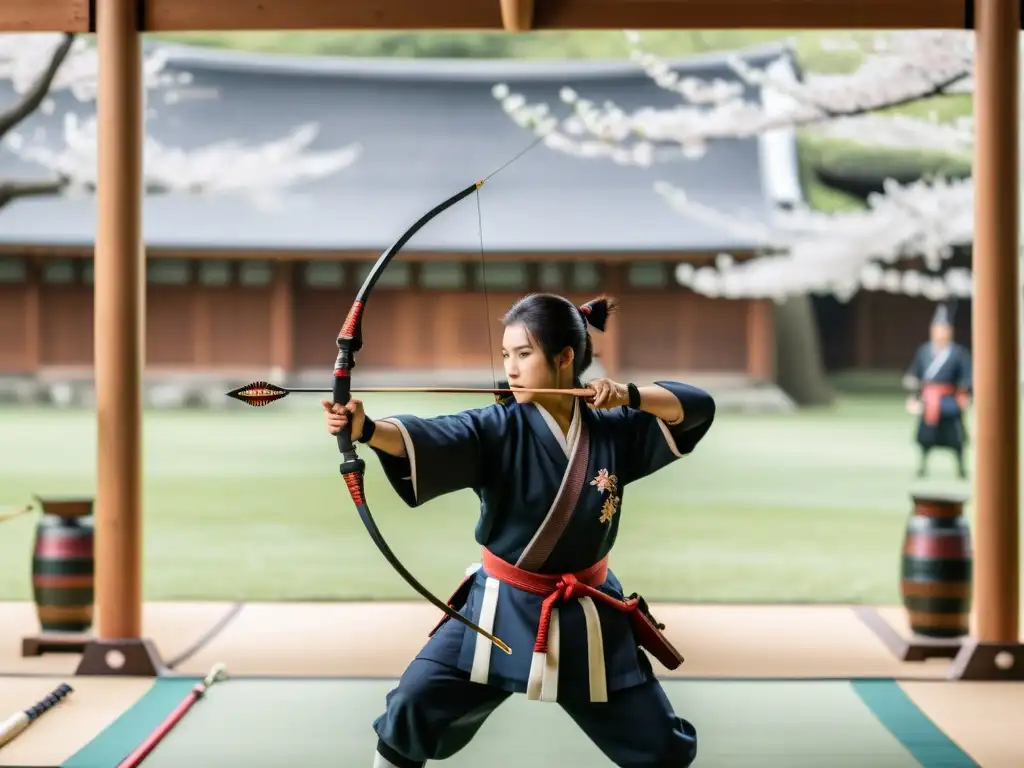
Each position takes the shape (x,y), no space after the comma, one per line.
(556,323)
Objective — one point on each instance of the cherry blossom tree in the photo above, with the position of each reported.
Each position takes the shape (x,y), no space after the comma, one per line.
(37,66)
(801,251)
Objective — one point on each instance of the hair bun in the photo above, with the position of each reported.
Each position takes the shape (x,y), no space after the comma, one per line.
(596,311)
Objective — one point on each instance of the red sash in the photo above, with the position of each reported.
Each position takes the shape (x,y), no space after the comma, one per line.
(555,588)
(931,395)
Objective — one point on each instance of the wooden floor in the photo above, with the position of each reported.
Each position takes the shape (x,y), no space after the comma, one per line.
(378,640)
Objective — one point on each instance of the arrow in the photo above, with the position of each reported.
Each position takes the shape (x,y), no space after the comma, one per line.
(260,393)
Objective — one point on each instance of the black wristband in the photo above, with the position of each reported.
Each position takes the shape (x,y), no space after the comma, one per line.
(369,427)
(634,397)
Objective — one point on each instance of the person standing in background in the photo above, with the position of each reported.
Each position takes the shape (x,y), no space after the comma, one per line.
(940,380)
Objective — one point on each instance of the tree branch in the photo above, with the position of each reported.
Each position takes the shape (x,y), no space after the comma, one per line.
(909,68)
(33,98)
(12,190)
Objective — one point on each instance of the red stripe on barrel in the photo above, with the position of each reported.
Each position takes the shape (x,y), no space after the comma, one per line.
(927,509)
(64,546)
(930,545)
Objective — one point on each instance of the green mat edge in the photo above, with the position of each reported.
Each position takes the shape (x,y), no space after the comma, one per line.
(115,742)
(898,713)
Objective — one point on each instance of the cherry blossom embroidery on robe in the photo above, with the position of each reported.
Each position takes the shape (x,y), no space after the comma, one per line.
(609,484)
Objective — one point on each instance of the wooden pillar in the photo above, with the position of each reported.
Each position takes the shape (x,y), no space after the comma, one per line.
(119,317)
(761,339)
(995,652)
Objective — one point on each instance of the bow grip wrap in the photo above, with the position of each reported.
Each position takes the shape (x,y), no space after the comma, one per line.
(348,343)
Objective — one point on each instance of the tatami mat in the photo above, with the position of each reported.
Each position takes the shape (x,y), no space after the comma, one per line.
(319,639)
(94,704)
(741,724)
(173,627)
(379,639)
(985,719)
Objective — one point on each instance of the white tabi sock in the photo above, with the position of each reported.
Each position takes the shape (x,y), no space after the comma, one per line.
(379,761)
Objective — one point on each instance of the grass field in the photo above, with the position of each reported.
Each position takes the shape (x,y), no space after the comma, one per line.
(247,504)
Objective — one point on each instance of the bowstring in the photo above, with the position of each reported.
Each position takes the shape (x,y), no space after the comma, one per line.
(487,299)
(515,157)
(483,262)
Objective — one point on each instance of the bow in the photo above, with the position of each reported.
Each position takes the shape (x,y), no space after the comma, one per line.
(350,341)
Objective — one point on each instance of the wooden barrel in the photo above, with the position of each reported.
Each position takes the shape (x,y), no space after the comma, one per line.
(63,565)
(937,570)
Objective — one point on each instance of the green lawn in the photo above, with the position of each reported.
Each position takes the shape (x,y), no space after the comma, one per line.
(247,504)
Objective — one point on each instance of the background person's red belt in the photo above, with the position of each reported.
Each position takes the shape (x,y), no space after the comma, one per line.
(931,395)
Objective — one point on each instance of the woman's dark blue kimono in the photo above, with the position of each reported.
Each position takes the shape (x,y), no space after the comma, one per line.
(515,458)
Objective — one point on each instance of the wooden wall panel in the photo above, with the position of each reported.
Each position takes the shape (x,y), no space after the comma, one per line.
(66,325)
(171,326)
(15,335)
(239,327)
(677,330)
(319,313)
(880,331)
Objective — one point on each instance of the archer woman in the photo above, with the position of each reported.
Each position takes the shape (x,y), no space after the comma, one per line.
(551,472)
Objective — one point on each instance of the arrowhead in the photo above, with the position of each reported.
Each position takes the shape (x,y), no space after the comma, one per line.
(258,393)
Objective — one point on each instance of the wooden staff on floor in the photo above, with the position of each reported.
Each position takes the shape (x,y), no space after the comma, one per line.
(218,673)
(13,726)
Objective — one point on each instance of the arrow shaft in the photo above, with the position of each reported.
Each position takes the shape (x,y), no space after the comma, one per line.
(452,390)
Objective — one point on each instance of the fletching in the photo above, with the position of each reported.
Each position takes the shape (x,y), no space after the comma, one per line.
(258,394)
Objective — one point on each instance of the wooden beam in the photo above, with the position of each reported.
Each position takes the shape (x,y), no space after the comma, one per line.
(517,15)
(50,16)
(284,15)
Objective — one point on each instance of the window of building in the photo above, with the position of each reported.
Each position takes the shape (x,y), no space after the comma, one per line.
(13,270)
(443,275)
(215,272)
(324,274)
(255,273)
(648,274)
(550,277)
(169,271)
(585,276)
(397,274)
(58,271)
(89,272)
(502,274)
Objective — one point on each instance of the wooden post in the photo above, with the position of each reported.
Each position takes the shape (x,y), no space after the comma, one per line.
(995,652)
(760,337)
(119,317)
